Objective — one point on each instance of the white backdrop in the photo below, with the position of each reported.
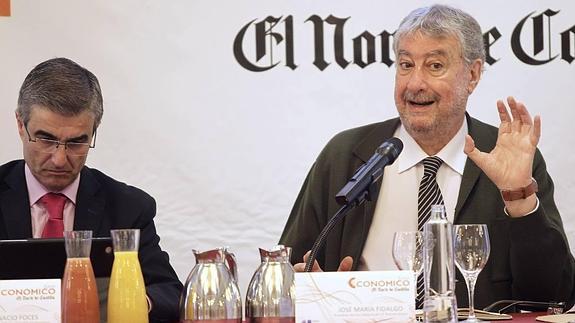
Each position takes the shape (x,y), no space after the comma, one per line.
(224,150)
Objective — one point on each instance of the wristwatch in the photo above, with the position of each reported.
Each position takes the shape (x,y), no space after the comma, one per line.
(521,193)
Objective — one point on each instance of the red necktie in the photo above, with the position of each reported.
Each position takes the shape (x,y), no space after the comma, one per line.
(54,204)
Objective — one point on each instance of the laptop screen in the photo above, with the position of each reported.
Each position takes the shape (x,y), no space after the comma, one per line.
(46,258)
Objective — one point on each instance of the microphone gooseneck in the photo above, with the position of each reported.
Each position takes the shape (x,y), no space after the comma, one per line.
(359,188)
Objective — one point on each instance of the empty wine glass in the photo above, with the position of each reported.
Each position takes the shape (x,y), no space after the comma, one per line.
(471,253)
(408,252)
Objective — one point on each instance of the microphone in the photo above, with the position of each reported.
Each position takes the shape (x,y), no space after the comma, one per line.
(357,188)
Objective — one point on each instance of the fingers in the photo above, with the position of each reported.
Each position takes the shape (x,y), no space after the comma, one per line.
(503,113)
(519,120)
(469,145)
(523,114)
(345,264)
(301,266)
(518,110)
(504,117)
(536,130)
(515,108)
(478,157)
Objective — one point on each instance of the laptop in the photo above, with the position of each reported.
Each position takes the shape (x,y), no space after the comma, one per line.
(46,258)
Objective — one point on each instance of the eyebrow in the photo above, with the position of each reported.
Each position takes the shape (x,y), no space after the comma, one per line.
(437,52)
(45,134)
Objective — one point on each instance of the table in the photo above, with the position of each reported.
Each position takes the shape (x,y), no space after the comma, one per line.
(526,317)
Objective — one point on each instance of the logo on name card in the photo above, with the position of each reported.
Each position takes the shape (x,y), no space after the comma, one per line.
(381,285)
(44,292)
(30,300)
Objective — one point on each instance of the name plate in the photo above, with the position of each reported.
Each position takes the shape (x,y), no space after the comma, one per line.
(355,296)
(30,301)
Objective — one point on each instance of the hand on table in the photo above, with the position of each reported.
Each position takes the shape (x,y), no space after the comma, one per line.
(344,265)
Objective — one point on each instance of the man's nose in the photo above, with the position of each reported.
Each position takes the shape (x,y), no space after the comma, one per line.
(417,80)
(59,156)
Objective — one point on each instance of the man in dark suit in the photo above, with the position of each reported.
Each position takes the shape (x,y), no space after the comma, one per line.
(59,110)
(440,55)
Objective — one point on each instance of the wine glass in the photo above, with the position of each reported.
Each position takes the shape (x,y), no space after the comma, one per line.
(408,252)
(471,244)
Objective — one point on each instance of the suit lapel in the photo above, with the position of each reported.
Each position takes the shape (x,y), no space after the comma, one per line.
(15,205)
(470,175)
(471,172)
(90,204)
(363,151)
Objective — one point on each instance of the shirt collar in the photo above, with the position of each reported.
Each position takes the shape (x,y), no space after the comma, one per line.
(36,190)
(452,154)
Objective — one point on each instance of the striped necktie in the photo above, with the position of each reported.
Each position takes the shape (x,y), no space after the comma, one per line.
(429,194)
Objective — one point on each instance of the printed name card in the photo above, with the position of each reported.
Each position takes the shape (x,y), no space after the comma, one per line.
(355,296)
(30,301)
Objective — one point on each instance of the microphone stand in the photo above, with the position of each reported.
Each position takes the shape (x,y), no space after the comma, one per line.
(359,188)
(369,193)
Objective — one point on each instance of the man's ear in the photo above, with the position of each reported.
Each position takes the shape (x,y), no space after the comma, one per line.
(21,126)
(475,69)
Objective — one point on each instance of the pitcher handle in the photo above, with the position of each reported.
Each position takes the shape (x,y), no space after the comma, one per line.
(232,264)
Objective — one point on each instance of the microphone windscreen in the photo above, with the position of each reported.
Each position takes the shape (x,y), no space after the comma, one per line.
(391,148)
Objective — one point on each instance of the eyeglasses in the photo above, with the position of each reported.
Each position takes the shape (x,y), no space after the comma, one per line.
(72,148)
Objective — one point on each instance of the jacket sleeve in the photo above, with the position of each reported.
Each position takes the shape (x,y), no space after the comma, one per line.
(162,284)
(304,223)
(542,266)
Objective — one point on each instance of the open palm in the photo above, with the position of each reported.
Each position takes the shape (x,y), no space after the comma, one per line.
(509,164)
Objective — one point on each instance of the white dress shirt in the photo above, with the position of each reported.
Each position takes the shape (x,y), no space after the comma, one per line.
(396,208)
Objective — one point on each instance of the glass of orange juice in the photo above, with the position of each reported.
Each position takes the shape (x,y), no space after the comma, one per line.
(79,292)
(127,291)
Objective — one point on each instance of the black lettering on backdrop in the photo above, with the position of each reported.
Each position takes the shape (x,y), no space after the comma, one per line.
(568,45)
(365,45)
(358,49)
(263,32)
(319,57)
(538,38)
(318,37)
(386,49)
(489,38)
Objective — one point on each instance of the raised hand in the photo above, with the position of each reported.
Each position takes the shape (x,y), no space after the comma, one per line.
(509,164)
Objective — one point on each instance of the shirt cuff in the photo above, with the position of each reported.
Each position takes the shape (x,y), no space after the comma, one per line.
(149,304)
(528,213)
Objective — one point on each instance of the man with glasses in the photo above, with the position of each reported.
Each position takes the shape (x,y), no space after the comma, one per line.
(51,190)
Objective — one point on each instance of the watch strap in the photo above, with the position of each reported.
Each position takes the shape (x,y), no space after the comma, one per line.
(521,193)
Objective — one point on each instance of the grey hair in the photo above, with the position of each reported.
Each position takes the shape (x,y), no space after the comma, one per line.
(63,87)
(441,21)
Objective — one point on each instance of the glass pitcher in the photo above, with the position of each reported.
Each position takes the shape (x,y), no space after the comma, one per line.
(127,292)
(211,292)
(79,292)
(271,293)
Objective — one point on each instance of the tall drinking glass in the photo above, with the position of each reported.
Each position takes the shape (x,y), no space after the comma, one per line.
(127,292)
(471,253)
(408,252)
(79,292)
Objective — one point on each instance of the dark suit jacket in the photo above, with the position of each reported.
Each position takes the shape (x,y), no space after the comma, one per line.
(530,257)
(102,204)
